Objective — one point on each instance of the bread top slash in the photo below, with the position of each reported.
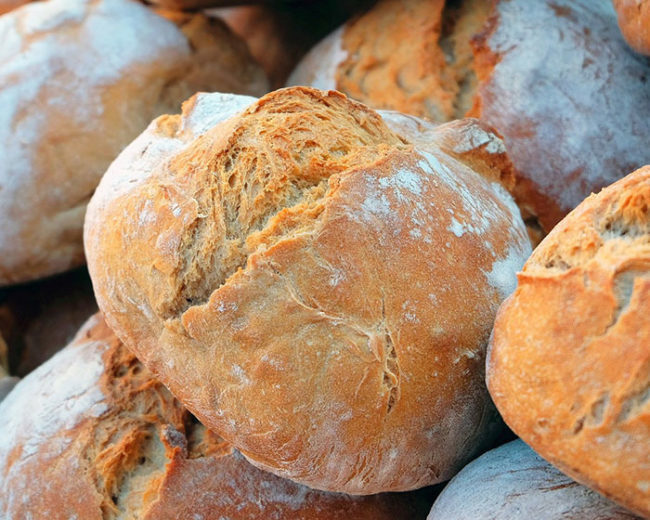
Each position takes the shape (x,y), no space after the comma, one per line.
(287,273)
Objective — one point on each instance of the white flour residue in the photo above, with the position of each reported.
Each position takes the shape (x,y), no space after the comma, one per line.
(475,137)
(58,395)
(503,276)
(512,481)
(208,110)
(571,80)
(405,179)
(318,68)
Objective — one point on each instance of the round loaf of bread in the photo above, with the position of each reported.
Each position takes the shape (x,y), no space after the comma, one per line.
(79,79)
(554,77)
(512,482)
(634,21)
(104,439)
(569,363)
(315,282)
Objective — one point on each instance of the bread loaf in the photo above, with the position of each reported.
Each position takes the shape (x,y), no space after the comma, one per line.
(79,79)
(569,362)
(634,21)
(104,440)
(514,483)
(315,282)
(554,77)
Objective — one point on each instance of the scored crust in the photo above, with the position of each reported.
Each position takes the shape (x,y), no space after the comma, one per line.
(514,482)
(79,79)
(287,274)
(105,440)
(569,362)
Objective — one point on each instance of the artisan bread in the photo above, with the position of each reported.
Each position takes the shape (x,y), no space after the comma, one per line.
(79,79)
(634,21)
(315,282)
(554,77)
(569,363)
(103,439)
(514,483)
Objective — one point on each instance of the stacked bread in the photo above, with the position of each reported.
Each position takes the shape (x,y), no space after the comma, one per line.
(310,307)
(554,77)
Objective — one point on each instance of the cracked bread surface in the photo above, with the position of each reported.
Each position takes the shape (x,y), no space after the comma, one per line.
(313,280)
(106,440)
(79,79)
(569,362)
(513,482)
(554,77)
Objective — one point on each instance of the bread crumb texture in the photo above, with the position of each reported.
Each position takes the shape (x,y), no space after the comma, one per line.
(106,440)
(569,364)
(315,282)
(79,79)
(512,481)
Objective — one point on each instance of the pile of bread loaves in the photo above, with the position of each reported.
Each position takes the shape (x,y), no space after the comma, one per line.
(327,300)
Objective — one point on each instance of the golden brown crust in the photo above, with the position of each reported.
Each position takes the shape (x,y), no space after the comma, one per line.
(8,5)
(634,21)
(553,76)
(422,63)
(287,274)
(123,447)
(80,79)
(569,363)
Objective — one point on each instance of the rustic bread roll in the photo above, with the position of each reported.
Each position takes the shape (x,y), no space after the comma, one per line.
(513,482)
(634,21)
(104,439)
(569,364)
(79,79)
(553,76)
(314,282)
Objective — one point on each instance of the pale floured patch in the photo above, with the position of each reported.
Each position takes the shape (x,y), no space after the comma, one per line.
(318,68)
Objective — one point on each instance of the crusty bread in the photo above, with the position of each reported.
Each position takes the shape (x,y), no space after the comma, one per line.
(413,56)
(634,21)
(316,283)
(79,79)
(103,439)
(512,482)
(553,77)
(569,363)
